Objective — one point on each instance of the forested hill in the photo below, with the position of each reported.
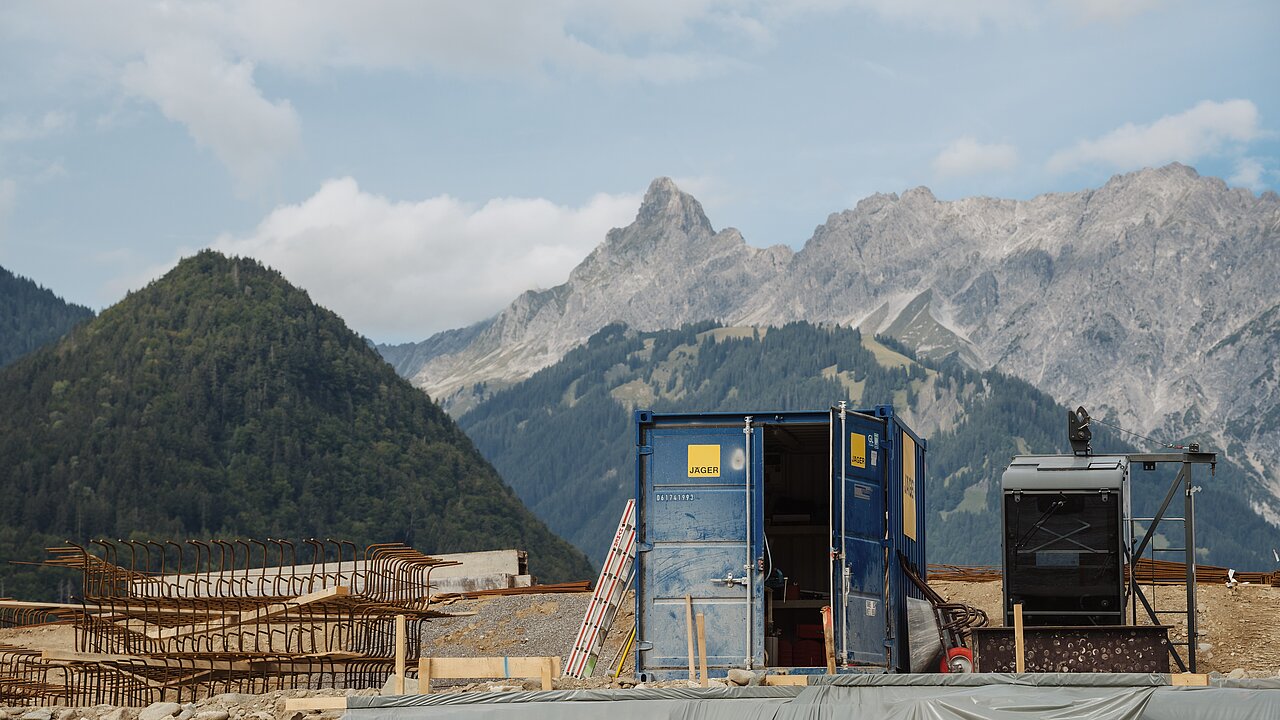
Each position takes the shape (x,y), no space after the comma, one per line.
(564,437)
(220,401)
(31,316)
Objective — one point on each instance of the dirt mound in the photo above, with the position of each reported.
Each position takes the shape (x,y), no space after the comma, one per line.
(1237,627)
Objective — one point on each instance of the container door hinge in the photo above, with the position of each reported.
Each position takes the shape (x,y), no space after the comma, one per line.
(646,450)
(644,547)
(644,644)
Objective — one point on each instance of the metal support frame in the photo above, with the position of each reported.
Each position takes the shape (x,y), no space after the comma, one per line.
(1181,481)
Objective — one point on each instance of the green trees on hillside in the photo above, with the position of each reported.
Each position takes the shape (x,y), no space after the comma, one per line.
(220,401)
(31,316)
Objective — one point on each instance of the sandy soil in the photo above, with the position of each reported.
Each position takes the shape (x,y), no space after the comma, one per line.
(1238,628)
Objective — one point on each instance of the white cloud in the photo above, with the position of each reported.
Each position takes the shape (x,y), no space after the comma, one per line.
(403,270)
(967,156)
(654,40)
(498,37)
(963,16)
(492,38)
(196,61)
(972,16)
(20,128)
(1202,131)
(220,106)
(55,170)
(1108,10)
(1248,174)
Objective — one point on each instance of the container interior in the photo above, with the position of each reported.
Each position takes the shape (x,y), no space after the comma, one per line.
(797,540)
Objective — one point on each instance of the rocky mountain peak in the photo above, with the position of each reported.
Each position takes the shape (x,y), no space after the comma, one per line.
(1174,177)
(921,194)
(666,207)
(1157,195)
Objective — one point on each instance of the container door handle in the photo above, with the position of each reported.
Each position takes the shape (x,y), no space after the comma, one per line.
(729,580)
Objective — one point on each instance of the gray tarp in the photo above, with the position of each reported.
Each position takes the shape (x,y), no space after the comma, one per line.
(858,697)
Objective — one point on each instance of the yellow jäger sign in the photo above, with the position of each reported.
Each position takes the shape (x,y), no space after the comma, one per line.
(704,461)
(858,450)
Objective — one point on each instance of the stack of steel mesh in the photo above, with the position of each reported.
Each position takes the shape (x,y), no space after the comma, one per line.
(170,621)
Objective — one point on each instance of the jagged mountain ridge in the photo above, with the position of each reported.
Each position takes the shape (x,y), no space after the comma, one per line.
(1151,300)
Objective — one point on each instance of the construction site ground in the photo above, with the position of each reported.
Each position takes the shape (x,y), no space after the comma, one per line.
(1238,635)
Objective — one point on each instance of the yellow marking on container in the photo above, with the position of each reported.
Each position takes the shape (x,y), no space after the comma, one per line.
(858,450)
(704,461)
(908,486)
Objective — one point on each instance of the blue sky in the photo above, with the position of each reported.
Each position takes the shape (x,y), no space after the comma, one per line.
(416,165)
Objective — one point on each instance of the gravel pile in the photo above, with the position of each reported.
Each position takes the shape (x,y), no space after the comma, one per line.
(535,625)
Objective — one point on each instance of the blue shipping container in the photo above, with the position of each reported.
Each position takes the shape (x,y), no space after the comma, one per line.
(731,504)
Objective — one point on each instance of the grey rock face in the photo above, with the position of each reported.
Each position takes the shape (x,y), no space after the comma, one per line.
(160,711)
(1153,300)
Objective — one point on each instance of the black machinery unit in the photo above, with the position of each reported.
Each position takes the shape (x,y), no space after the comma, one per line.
(1065,539)
(1069,531)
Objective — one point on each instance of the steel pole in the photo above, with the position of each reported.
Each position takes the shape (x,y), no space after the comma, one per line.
(749,575)
(1189,539)
(844,561)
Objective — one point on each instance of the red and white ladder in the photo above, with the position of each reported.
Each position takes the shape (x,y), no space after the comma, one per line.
(610,588)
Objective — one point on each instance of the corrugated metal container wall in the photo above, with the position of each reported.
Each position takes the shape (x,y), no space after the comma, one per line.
(755,521)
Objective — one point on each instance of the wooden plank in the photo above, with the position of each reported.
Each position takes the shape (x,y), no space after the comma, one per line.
(702,648)
(489,667)
(688,622)
(336,660)
(1189,680)
(69,656)
(424,676)
(249,616)
(829,639)
(316,703)
(1019,646)
(29,605)
(778,680)
(400,653)
(546,673)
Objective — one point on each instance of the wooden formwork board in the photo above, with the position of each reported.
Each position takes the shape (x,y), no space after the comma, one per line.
(545,668)
(316,703)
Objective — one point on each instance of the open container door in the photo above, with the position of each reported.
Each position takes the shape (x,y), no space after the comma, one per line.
(700,511)
(858,579)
